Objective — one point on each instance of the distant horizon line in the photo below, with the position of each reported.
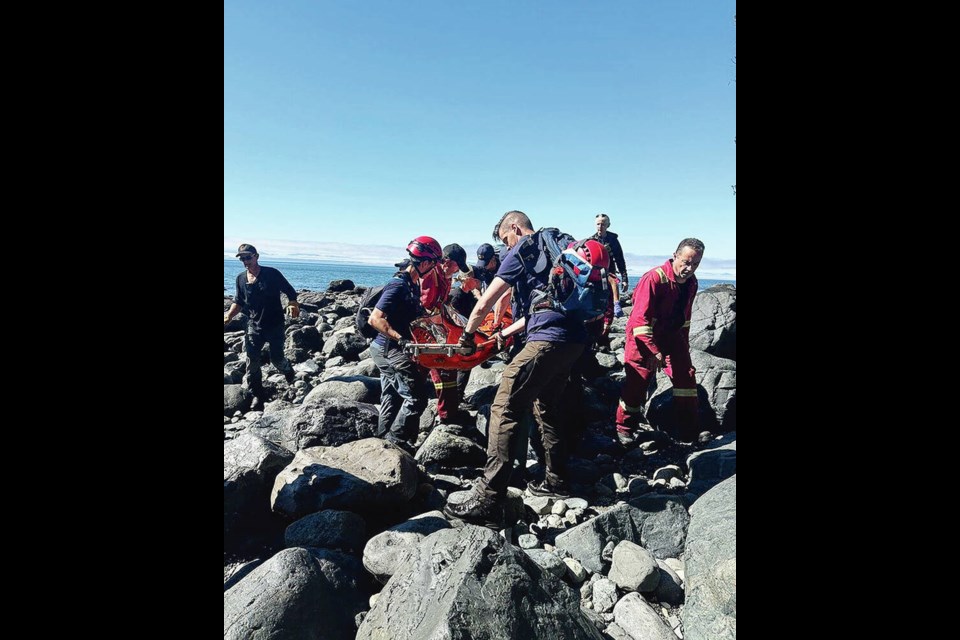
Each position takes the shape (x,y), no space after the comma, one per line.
(704,276)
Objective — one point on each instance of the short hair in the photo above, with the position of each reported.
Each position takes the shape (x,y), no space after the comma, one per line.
(693,243)
(604,216)
(518,218)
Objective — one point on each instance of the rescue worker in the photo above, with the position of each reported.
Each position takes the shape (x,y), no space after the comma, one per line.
(658,337)
(404,390)
(435,290)
(618,267)
(534,379)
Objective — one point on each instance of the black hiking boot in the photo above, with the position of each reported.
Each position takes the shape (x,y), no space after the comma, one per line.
(548,489)
(477,508)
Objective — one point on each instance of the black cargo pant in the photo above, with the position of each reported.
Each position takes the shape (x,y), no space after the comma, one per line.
(403,393)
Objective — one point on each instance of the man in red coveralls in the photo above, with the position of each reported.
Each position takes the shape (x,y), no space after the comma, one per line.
(659,326)
(434,290)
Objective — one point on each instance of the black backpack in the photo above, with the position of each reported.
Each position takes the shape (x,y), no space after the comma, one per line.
(369,300)
(569,290)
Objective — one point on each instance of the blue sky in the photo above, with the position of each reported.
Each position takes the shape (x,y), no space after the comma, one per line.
(351,127)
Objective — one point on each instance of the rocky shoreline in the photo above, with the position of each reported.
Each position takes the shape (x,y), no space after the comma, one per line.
(332,533)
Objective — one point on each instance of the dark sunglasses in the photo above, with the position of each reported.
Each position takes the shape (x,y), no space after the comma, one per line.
(246,258)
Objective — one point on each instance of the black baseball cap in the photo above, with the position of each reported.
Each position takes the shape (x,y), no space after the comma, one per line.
(458,254)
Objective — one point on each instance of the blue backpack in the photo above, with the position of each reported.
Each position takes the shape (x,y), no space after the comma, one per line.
(569,290)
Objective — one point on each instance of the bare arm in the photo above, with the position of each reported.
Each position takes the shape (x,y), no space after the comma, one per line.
(232,311)
(485,303)
(516,327)
(378,320)
(501,307)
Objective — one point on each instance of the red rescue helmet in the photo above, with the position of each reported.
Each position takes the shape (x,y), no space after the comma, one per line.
(596,254)
(424,248)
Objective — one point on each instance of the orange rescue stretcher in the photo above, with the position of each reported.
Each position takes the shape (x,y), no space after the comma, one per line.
(435,339)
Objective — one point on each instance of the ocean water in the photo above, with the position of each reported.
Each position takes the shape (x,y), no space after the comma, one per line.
(315,276)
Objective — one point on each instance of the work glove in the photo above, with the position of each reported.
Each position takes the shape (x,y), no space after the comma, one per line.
(294,308)
(402,342)
(468,344)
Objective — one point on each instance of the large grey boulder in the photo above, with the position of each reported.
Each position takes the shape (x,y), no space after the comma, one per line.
(483,383)
(327,422)
(360,476)
(634,568)
(328,529)
(346,388)
(444,447)
(662,522)
(313,300)
(387,552)
(717,391)
(713,322)
(718,377)
(586,541)
(301,343)
(340,285)
(710,565)
(640,621)
(236,571)
(712,466)
(250,465)
(469,584)
(346,342)
(657,523)
(270,423)
(366,367)
(295,595)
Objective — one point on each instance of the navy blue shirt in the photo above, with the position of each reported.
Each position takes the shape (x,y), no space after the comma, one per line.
(261,300)
(400,302)
(545,326)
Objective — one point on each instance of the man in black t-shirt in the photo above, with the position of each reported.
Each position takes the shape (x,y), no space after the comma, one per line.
(258,295)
